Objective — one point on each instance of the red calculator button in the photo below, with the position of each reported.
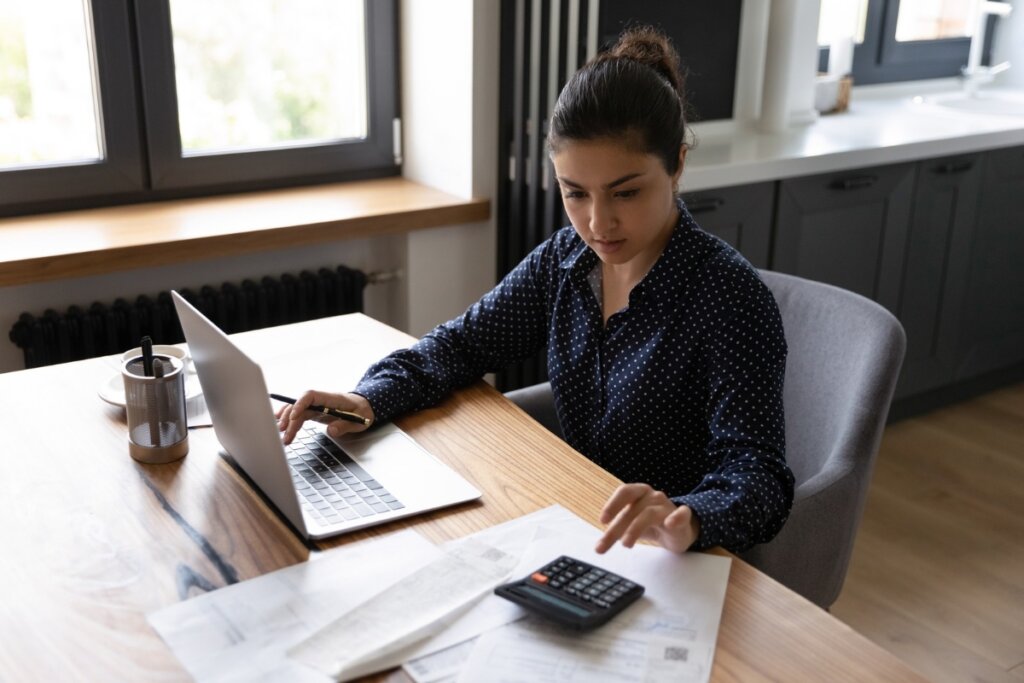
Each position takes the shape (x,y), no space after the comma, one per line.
(539,578)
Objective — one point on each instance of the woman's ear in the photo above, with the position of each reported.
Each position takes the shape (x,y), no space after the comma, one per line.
(679,168)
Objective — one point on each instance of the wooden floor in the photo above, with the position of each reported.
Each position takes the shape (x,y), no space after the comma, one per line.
(937,576)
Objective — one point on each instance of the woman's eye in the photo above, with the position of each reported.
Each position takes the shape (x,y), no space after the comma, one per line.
(572,194)
(627,194)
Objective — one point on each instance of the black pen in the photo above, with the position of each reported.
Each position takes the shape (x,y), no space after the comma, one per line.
(340,414)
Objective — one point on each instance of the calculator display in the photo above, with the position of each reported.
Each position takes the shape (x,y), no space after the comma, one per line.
(552,600)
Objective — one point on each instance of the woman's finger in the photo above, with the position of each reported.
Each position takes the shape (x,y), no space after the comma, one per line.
(646,523)
(620,498)
(620,510)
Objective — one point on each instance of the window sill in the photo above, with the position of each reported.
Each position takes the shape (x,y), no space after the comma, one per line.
(98,241)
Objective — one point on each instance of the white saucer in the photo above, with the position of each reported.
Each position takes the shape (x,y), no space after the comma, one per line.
(112,391)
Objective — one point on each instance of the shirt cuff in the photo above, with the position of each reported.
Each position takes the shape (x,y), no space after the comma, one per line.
(704,507)
(384,399)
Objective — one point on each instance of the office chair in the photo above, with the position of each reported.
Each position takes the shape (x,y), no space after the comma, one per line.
(845,353)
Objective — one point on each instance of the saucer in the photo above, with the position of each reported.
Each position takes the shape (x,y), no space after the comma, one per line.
(112,390)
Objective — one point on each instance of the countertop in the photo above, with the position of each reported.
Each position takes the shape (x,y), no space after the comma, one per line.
(883,125)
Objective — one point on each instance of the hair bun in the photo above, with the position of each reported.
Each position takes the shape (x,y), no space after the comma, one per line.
(653,48)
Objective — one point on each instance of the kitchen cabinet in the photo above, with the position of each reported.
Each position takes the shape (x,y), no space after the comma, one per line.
(993,322)
(940,243)
(937,264)
(847,228)
(741,215)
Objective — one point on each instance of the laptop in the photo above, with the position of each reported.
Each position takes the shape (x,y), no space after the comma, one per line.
(323,487)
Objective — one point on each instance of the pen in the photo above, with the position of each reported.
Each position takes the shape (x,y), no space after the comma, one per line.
(147,356)
(340,414)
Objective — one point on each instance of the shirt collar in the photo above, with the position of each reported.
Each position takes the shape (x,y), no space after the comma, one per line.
(581,259)
(676,258)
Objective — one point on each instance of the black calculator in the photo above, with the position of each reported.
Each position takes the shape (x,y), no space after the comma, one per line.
(573,593)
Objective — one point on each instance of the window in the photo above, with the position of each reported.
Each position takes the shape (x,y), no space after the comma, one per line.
(103,101)
(899,40)
(47,77)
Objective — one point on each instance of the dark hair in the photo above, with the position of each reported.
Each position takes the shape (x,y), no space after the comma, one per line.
(633,92)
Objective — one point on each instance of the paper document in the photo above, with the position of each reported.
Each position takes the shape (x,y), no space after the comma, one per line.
(440,667)
(240,632)
(667,635)
(351,645)
(649,646)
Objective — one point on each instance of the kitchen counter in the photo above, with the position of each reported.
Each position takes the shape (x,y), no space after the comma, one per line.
(883,125)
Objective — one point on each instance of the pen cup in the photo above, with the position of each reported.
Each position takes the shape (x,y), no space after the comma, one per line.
(157,425)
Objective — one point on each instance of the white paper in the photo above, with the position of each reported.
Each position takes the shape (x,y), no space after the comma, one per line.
(352,645)
(240,632)
(645,647)
(440,666)
(669,634)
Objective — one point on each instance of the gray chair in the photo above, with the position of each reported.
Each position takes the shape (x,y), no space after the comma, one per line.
(845,353)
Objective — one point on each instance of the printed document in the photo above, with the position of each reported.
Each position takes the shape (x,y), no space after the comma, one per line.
(244,632)
(351,645)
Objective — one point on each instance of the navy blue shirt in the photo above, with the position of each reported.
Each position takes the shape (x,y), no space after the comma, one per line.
(682,389)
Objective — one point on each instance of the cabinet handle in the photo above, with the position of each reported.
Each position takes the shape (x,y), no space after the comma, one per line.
(704,204)
(856,182)
(952,167)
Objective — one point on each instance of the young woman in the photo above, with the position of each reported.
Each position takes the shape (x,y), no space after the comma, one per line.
(665,350)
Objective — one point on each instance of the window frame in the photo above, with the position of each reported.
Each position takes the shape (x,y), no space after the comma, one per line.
(168,168)
(883,59)
(139,125)
(121,169)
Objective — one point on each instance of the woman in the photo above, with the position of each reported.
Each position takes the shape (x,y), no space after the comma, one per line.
(665,350)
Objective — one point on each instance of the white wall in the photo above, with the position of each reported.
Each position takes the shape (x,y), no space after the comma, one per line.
(450,94)
(1008,46)
(450,111)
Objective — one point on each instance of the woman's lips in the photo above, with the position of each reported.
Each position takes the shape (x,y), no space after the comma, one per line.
(608,246)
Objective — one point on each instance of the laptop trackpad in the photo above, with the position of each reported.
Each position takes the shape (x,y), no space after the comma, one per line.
(402,466)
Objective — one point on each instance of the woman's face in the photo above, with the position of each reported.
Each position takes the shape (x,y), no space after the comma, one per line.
(621,202)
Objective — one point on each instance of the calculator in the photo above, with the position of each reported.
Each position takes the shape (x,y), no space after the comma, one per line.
(573,593)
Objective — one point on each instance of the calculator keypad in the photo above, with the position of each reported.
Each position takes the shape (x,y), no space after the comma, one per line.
(573,593)
(584,582)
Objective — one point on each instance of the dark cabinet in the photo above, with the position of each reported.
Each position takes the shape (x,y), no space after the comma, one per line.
(936,267)
(993,319)
(940,243)
(742,216)
(848,229)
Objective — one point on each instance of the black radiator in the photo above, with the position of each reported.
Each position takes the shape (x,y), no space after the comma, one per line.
(106,329)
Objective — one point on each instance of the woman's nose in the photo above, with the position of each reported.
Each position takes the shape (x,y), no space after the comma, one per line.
(601,219)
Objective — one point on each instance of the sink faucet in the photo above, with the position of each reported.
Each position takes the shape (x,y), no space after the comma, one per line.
(974,73)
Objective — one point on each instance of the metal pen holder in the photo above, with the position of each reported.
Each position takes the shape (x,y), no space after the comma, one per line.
(157,425)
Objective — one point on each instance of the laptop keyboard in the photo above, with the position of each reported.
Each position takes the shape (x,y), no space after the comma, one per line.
(332,485)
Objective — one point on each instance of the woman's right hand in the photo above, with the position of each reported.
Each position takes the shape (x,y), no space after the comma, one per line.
(291,417)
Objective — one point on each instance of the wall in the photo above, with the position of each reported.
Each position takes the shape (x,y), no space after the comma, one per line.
(450,113)
(1008,46)
(449,143)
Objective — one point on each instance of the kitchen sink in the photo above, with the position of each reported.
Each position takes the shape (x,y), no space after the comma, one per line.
(999,102)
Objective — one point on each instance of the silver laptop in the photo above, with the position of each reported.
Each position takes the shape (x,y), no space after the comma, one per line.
(322,486)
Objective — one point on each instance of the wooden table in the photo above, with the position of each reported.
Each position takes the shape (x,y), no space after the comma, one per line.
(80,569)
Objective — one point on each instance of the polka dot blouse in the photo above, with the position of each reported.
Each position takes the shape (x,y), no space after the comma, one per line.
(682,389)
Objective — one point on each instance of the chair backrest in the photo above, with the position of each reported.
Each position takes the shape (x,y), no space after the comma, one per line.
(845,353)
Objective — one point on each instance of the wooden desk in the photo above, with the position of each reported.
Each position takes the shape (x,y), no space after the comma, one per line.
(80,573)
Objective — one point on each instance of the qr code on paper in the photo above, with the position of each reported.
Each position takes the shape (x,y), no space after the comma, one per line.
(676,654)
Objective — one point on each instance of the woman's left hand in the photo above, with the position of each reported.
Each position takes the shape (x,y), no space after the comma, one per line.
(638,511)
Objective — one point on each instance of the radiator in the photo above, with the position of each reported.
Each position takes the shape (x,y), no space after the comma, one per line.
(103,329)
